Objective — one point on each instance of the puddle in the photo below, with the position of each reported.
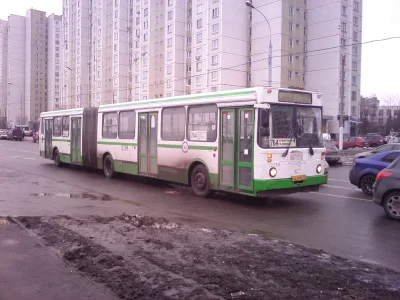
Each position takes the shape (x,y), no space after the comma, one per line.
(103,197)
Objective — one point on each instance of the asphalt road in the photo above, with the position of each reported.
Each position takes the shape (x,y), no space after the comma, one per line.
(339,218)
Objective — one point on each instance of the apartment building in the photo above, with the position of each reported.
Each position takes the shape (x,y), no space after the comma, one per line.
(16,70)
(54,62)
(3,71)
(335,27)
(35,100)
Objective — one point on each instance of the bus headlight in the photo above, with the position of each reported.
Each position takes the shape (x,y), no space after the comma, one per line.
(319,169)
(272,172)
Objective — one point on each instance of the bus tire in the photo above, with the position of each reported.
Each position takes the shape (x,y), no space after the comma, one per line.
(108,166)
(57,159)
(200,182)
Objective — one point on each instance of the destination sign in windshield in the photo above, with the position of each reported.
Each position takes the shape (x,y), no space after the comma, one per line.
(295,97)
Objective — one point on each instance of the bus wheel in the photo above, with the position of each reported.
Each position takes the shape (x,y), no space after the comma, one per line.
(57,160)
(200,182)
(108,166)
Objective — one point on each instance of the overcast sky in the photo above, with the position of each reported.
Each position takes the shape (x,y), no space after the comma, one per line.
(379,60)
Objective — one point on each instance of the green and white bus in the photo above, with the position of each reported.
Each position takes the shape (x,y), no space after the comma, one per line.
(256,141)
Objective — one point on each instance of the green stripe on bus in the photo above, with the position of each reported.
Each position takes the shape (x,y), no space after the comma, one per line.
(60,140)
(287,183)
(167,100)
(169,146)
(190,147)
(117,143)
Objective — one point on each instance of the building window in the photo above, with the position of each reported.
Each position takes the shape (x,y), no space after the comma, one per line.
(169,69)
(169,2)
(215,28)
(189,68)
(214,44)
(169,42)
(169,28)
(189,26)
(199,8)
(189,81)
(214,75)
(353,95)
(355,21)
(127,123)
(290,58)
(214,60)
(353,80)
(189,40)
(144,74)
(202,123)
(355,36)
(170,15)
(291,26)
(355,5)
(145,37)
(173,122)
(145,24)
(290,74)
(188,54)
(146,12)
(290,42)
(215,12)
(116,14)
(57,126)
(355,50)
(354,65)
(353,110)
(344,10)
(199,23)
(189,12)
(110,125)
(344,27)
(199,37)
(343,42)
(291,10)
(169,55)
(198,66)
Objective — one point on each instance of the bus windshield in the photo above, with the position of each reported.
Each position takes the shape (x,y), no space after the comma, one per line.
(290,125)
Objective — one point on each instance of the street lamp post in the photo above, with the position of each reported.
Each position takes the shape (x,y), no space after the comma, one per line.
(22,108)
(249,4)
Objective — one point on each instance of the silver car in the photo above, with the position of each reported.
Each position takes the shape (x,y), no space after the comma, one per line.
(3,134)
(380,149)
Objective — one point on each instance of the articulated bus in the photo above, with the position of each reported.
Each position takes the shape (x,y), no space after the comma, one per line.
(255,141)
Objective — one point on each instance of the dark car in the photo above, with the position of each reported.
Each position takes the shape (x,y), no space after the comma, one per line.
(353,142)
(374,140)
(15,134)
(331,153)
(386,189)
(380,149)
(365,170)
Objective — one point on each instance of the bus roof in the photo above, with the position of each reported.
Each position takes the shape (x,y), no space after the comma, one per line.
(254,94)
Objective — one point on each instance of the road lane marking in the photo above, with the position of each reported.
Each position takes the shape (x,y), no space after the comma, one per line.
(339,196)
(337,180)
(340,187)
(19,150)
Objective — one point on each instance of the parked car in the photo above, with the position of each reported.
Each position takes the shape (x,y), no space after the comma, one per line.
(331,153)
(374,140)
(386,189)
(353,142)
(15,134)
(3,134)
(394,139)
(365,170)
(383,148)
(35,137)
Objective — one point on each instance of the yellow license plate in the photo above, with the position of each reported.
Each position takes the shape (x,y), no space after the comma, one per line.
(299,178)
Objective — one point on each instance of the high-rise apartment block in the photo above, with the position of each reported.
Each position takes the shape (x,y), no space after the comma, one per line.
(3,71)
(54,62)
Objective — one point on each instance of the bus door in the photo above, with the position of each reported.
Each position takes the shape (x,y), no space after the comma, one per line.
(76,137)
(148,123)
(236,144)
(48,136)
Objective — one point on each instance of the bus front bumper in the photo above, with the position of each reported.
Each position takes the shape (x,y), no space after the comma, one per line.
(286,186)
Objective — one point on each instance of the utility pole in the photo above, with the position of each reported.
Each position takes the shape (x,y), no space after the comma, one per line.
(341,105)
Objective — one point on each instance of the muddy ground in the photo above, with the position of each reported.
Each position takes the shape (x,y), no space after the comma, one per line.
(148,258)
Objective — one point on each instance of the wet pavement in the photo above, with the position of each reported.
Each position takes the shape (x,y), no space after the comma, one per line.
(339,218)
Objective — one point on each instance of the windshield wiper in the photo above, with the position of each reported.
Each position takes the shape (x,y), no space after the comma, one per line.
(290,141)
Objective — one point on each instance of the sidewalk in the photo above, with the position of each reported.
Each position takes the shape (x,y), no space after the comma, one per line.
(29,271)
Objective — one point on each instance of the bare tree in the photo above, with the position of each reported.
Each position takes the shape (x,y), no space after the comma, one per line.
(368,111)
(391,106)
